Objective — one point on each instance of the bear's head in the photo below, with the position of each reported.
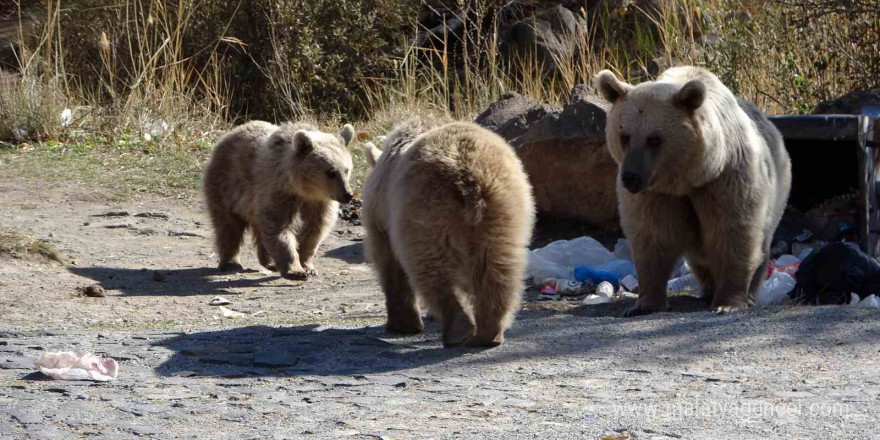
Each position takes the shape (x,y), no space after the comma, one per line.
(656,133)
(318,164)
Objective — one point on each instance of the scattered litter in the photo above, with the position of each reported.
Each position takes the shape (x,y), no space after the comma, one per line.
(66,117)
(780,248)
(630,283)
(871,302)
(596,299)
(219,301)
(68,366)
(553,286)
(804,236)
(622,249)
(687,283)
(95,291)
(559,258)
(605,289)
(805,252)
(775,289)
(612,272)
(227,313)
(258,313)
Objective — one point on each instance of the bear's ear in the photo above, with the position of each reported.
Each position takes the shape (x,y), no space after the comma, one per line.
(347,134)
(372,154)
(691,96)
(611,88)
(302,143)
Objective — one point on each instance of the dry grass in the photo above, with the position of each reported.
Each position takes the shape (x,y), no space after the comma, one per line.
(146,120)
(18,244)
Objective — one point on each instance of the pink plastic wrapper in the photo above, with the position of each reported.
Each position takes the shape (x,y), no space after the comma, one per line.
(67,365)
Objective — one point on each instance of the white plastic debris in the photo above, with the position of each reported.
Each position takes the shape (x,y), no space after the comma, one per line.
(605,289)
(775,289)
(219,301)
(622,249)
(66,117)
(870,301)
(629,283)
(227,313)
(68,366)
(596,299)
(687,283)
(559,258)
(804,236)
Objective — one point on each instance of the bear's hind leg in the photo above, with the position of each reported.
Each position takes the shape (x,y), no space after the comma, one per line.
(436,286)
(263,255)
(228,235)
(495,301)
(400,301)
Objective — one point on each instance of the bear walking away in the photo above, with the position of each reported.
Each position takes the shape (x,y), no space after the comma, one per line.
(449,213)
(285,184)
(702,174)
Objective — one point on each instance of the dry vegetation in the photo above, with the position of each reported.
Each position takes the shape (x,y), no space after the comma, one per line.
(17,244)
(133,93)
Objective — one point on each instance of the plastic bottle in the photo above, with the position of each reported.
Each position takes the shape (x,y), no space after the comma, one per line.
(681,284)
(587,274)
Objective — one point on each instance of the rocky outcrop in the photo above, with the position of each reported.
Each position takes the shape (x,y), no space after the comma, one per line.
(563,151)
(849,104)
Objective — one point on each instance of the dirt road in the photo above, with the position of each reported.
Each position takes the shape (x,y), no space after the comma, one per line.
(310,360)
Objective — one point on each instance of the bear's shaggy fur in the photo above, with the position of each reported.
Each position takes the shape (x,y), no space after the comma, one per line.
(449,215)
(703,175)
(285,183)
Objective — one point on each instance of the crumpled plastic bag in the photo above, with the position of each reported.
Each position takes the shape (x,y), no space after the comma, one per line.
(66,365)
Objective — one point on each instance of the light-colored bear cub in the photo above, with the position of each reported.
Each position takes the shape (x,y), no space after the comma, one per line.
(285,183)
(702,174)
(449,213)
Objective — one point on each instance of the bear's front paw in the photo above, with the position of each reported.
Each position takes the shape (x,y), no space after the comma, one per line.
(640,309)
(231,267)
(720,310)
(296,275)
(404,328)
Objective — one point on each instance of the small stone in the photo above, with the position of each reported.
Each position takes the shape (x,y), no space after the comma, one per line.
(185,234)
(113,213)
(274,359)
(16,363)
(159,276)
(158,215)
(95,291)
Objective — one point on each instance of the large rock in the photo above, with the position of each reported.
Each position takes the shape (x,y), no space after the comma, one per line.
(849,104)
(564,154)
(513,114)
(550,35)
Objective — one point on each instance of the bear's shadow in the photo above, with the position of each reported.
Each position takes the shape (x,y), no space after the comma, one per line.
(171,282)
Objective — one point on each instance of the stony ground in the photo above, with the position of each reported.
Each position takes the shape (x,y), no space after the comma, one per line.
(310,360)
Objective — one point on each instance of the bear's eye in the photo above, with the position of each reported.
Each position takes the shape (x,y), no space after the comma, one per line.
(624,139)
(653,141)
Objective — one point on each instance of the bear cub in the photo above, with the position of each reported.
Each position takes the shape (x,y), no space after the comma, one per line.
(448,212)
(702,175)
(285,184)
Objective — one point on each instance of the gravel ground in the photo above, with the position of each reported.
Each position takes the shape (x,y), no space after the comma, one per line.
(310,360)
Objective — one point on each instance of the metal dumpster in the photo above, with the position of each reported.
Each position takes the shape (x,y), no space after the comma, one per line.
(833,155)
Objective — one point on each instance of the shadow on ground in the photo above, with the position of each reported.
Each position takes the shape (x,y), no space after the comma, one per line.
(171,282)
(678,338)
(352,253)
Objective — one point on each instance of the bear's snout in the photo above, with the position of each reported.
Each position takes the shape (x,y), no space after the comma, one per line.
(346,197)
(632,182)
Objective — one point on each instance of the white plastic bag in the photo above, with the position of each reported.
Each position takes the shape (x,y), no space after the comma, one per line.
(67,365)
(559,258)
(775,289)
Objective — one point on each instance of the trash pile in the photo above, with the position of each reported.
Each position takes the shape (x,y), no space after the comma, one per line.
(68,365)
(583,269)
